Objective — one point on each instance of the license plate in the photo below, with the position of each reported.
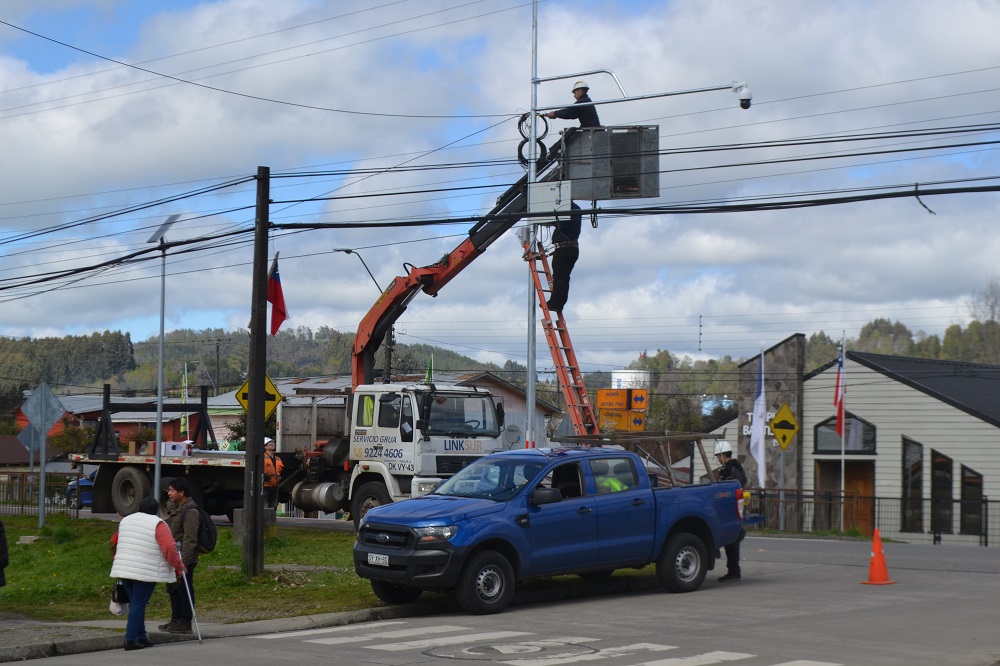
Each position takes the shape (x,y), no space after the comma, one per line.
(378,560)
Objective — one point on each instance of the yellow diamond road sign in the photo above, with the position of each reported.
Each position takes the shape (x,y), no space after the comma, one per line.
(784,426)
(271,396)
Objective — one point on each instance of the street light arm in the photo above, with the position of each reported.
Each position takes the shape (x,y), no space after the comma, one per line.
(349,251)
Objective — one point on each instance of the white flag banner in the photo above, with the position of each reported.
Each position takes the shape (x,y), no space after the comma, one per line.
(758,427)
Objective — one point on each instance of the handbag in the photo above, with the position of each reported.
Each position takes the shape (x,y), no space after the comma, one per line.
(118,593)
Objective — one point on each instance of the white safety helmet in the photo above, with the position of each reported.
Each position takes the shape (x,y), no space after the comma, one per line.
(268,441)
(581,84)
(722,446)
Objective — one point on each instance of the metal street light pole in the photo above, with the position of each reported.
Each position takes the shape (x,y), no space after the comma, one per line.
(388,334)
(158,237)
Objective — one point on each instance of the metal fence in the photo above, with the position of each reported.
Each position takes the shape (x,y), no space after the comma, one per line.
(971,523)
(19,495)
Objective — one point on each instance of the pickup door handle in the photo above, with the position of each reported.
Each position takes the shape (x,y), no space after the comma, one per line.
(583,510)
(638,501)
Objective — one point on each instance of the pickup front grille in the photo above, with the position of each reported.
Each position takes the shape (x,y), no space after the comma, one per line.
(451,464)
(386,537)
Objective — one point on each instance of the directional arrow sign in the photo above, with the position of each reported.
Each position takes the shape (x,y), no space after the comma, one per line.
(640,398)
(784,426)
(271,396)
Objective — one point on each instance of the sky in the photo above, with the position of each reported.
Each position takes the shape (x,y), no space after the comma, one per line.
(115,114)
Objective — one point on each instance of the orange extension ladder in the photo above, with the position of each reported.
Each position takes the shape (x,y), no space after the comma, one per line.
(578,406)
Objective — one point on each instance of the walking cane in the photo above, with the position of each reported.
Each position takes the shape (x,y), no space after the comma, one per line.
(194,617)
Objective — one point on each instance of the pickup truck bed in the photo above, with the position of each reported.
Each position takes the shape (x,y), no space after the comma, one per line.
(544,512)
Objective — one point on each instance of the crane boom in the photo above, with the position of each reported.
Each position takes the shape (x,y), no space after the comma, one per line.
(389,307)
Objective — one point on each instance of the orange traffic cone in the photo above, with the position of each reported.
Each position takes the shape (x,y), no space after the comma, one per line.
(878,574)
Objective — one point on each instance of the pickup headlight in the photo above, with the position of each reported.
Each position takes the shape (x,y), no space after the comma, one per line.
(433,534)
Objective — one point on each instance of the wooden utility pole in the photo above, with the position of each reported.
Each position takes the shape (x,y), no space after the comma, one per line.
(253,483)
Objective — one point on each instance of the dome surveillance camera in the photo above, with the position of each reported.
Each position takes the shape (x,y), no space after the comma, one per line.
(743,90)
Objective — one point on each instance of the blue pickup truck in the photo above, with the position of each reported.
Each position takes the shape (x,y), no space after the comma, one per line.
(543,512)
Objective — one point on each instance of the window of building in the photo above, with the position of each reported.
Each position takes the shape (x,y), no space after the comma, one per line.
(913,486)
(859,436)
(942,499)
(972,502)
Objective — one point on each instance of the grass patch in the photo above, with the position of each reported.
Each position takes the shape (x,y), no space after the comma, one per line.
(64,575)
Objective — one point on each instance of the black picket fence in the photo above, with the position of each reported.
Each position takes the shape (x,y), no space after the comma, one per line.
(20,495)
(961,522)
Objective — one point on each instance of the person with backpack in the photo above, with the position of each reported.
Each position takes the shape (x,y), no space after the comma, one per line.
(184,518)
(731,470)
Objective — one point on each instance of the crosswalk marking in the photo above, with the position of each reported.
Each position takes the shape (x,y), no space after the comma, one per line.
(323,630)
(604,653)
(383,635)
(557,650)
(705,659)
(448,640)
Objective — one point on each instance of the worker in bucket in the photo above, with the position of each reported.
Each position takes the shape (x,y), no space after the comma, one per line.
(587,115)
(731,470)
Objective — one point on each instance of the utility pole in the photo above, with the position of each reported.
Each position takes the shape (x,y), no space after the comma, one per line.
(253,482)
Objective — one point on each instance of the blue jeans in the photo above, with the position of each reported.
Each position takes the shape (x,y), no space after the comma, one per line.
(139,594)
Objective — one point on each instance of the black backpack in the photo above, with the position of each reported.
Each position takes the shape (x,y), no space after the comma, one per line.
(207,534)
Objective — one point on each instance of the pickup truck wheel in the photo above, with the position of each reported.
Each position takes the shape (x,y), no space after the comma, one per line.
(74,500)
(368,496)
(486,584)
(130,485)
(395,594)
(682,566)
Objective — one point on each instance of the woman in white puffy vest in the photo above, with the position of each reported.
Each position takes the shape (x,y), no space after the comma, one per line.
(145,555)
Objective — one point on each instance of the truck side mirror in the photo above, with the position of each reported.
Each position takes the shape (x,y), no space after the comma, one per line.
(500,414)
(542,495)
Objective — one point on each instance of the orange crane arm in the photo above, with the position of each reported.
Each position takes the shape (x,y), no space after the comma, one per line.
(390,306)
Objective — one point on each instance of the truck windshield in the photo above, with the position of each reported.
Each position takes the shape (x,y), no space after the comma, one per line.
(491,478)
(460,415)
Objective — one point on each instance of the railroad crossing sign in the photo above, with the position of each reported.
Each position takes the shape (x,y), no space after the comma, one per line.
(783,426)
(271,396)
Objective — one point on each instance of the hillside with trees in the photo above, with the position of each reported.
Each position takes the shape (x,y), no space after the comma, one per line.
(686,393)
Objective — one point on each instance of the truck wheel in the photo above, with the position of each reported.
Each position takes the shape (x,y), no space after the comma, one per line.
(74,500)
(682,566)
(486,584)
(395,594)
(368,496)
(130,485)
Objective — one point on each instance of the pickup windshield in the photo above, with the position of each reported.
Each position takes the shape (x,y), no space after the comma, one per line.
(491,478)
(461,415)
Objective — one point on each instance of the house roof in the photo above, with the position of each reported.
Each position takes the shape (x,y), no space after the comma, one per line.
(13,452)
(973,388)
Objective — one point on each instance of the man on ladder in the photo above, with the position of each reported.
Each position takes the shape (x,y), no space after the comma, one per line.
(566,244)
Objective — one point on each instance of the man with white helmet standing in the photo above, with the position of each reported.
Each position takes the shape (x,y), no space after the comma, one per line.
(586,114)
(731,470)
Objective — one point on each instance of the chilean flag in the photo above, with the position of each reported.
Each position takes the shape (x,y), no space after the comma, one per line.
(275,297)
(838,393)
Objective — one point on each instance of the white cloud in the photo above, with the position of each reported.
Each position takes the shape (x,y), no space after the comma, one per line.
(641,282)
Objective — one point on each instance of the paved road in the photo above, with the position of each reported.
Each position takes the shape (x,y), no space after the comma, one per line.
(801,603)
